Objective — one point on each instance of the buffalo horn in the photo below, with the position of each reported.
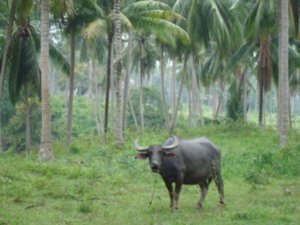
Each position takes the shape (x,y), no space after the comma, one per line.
(171,146)
(138,147)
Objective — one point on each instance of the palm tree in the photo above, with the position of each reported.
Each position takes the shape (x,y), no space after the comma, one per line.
(7,43)
(22,65)
(156,18)
(77,15)
(93,50)
(260,27)
(176,106)
(24,72)
(144,56)
(45,151)
(283,85)
(5,52)
(203,17)
(118,70)
(126,94)
(150,16)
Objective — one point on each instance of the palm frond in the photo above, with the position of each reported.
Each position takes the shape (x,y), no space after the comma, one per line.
(221,16)
(59,59)
(295,5)
(262,18)
(157,26)
(95,48)
(13,68)
(30,73)
(207,14)
(241,54)
(182,6)
(125,21)
(56,56)
(167,38)
(250,21)
(142,6)
(161,14)
(95,29)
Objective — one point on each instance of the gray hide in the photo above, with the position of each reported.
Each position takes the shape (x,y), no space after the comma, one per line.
(193,161)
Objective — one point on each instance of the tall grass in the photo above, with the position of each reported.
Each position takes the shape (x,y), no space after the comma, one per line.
(94,183)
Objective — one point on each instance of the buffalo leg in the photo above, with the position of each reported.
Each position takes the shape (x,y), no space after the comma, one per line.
(204,189)
(171,193)
(176,194)
(220,185)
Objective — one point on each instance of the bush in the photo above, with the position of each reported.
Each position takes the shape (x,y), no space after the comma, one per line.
(153,115)
(16,125)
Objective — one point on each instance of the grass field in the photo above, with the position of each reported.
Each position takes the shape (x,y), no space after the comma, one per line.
(94,183)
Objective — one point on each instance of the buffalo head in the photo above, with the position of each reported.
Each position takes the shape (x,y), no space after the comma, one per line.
(156,153)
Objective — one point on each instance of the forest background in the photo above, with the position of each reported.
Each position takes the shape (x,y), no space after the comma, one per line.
(81,80)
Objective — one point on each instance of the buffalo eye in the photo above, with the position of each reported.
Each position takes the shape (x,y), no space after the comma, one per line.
(169,154)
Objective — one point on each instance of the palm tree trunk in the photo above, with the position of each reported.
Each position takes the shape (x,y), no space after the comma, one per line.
(271,110)
(162,82)
(45,151)
(283,82)
(5,52)
(112,95)
(142,96)
(197,94)
(7,44)
(173,85)
(91,79)
(118,69)
(126,85)
(99,106)
(214,100)
(133,113)
(174,118)
(93,94)
(108,70)
(98,98)
(264,72)
(290,114)
(27,119)
(244,94)
(71,88)
(260,101)
(190,106)
(220,98)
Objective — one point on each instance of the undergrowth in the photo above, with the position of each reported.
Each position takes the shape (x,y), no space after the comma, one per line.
(96,183)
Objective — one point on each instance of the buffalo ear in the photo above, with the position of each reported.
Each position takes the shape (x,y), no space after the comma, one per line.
(141,156)
(169,154)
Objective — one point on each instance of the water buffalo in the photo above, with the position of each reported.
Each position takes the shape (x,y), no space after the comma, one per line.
(180,161)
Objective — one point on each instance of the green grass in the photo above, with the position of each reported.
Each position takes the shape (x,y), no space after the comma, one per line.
(102,184)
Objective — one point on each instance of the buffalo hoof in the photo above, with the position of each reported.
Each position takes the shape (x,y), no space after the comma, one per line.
(199,205)
(174,209)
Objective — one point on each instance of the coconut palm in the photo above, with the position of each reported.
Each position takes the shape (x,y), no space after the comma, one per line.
(118,70)
(260,28)
(150,16)
(203,18)
(283,84)
(93,50)
(156,18)
(74,15)
(5,52)
(144,56)
(7,43)
(23,69)
(45,151)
